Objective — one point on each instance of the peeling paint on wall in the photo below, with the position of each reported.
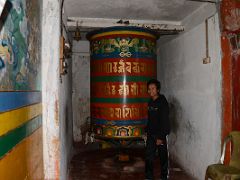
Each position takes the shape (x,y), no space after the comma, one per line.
(230,15)
(56,112)
(232,20)
(51,89)
(81,93)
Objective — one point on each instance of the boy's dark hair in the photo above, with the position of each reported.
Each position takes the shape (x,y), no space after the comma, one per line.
(156,82)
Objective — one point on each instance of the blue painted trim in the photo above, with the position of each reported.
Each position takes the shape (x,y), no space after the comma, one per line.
(17,99)
(149,56)
(98,121)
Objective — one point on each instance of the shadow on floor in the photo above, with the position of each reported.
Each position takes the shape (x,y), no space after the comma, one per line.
(93,163)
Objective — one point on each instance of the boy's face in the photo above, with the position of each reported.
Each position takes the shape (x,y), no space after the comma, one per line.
(152,90)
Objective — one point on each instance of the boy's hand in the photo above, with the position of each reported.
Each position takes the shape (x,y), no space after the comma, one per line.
(159,142)
(144,137)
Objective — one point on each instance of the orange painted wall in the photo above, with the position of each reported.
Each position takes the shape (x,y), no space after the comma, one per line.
(25,160)
(230,43)
(230,65)
(227,86)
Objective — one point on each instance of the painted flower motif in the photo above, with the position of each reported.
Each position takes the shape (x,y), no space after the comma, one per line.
(233,20)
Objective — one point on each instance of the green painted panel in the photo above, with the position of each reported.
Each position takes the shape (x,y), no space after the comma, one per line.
(11,139)
(119,100)
(120,78)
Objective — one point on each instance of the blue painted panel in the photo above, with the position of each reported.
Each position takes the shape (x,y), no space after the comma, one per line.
(149,56)
(16,99)
(119,122)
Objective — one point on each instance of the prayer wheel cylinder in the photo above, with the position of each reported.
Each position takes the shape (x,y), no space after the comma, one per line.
(123,59)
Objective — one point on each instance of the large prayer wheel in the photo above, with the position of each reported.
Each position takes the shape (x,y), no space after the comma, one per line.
(123,59)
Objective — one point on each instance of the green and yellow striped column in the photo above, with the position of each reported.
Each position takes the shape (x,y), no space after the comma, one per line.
(21,148)
(123,59)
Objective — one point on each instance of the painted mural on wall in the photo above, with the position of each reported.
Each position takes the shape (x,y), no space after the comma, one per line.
(20,96)
(20,46)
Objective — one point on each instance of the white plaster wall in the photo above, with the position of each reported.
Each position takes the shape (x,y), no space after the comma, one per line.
(50,87)
(81,87)
(193,90)
(56,97)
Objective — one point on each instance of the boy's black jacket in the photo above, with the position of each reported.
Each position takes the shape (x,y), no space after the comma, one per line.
(158,121)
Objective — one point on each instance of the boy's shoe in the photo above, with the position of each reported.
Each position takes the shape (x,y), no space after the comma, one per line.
(164,178)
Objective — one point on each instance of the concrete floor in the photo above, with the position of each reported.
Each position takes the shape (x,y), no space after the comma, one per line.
(91,163)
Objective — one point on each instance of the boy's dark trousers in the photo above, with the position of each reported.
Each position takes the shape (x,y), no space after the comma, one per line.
(150,155)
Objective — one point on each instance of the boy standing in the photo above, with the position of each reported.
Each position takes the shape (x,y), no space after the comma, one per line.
(157,129)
